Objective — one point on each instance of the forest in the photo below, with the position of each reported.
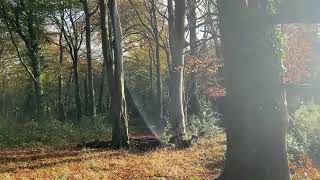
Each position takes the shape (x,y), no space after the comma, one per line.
(160,89)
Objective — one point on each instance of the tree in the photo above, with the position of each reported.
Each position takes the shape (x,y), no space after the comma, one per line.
(20,18)
(114,67)
(194,105)
(73,36)
(177,118)
(255,111)
(91,91)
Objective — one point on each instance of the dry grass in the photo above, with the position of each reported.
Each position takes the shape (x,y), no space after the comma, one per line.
(203,161)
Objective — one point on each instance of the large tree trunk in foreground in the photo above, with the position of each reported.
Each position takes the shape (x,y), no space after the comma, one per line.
(120,137)
(177,118)
(255,112)
(91,92)
(194,107)
(115,75)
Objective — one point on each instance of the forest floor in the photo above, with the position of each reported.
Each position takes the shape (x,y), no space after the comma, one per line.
(202,161)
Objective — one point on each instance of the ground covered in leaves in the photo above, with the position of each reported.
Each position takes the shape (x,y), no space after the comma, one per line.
(202,161)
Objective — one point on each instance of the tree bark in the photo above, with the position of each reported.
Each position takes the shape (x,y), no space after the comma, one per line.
(120,135)
(91,91)
(115,75)
(156,33)
(60,80)
(102,88)
(255,111)
(77,84)
(194,106)
(177,119)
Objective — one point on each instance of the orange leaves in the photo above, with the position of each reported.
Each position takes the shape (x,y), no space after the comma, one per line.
(189,163)
(304,170)
(299,53)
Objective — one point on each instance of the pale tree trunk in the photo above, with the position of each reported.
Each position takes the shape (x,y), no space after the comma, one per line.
(255,111)
(91,91)
(120,135)
(177,118)
(115,74)
(194,106)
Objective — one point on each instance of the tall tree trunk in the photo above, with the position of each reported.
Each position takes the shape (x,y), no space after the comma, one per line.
(61,111)
(102,88)
(151,73)
(107,54)
(177,119)
(115,74)
(120,135)
(194,107)
(156,34)
(85,96)
(77,84)
(255,113)
(91,92)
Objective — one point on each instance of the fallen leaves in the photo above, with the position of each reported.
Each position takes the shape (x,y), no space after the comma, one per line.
(203,161)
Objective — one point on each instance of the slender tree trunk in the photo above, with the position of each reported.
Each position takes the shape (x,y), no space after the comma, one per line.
(102,88)
(85,96)
(120,135)
(194,107)
(177,119)
(151,73)
(156,33)
(77,84)
(61,111)
(3,95)
(256,116)
(91,91)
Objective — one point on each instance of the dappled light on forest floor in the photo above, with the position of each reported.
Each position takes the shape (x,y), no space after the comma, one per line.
(203,161)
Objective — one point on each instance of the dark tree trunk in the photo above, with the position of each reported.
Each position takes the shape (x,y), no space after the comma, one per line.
(255,112)
(177,118)
(61,111)
(156,34)
(91,91)
(194,106)
(77,85)
(102,88)
(85,97)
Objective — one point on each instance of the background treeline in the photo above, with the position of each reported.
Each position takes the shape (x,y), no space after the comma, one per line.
(79,70)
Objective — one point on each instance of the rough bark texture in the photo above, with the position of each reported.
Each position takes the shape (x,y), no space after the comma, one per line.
(255,110)
(91,91)
(177,119)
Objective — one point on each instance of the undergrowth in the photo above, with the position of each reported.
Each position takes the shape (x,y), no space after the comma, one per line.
(50,132)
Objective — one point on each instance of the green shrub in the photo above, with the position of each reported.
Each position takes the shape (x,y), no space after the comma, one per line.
(51,132)
(205,124)
(304,134)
